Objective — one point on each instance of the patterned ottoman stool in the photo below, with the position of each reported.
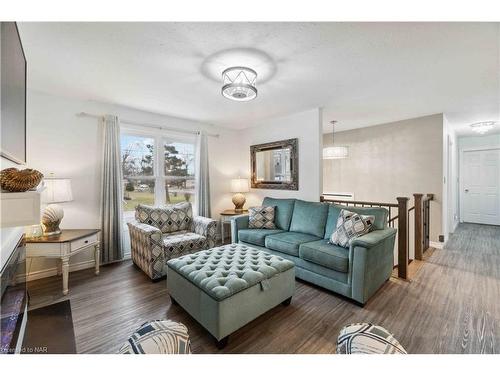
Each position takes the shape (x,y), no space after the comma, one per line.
(158,337)
(226,287)
(366,338)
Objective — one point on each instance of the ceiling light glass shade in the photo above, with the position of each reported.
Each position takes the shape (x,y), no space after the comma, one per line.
(483,127)
(238,83)
(336,152)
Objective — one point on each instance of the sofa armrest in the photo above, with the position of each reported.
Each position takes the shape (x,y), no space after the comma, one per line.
(146,244)
(371,239)
(237,223)
(371,260)
(206,227)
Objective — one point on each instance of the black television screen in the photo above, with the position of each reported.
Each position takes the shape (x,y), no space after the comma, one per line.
(13,94)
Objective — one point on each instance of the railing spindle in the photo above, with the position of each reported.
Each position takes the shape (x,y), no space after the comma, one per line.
(418,226)
(402,237)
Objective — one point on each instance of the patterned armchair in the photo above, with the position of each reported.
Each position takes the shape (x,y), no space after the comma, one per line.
(162,233)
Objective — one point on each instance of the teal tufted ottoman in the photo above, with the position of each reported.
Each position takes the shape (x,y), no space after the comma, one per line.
(226,287)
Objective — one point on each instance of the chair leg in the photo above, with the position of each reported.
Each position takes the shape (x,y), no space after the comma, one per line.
(287,302)
(174,302)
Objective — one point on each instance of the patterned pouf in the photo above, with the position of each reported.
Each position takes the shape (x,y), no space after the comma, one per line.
(158,337)
(366,338)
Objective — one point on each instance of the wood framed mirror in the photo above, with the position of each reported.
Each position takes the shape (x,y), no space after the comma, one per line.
(275,165)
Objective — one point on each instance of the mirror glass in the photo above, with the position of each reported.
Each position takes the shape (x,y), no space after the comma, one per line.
(273,165)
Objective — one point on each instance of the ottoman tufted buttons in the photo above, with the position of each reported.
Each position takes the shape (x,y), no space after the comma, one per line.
(229,263)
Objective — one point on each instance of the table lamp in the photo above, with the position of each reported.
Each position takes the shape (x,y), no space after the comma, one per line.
(57,190)
(239,186)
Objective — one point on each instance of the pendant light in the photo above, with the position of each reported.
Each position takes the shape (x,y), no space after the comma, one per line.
(335,152)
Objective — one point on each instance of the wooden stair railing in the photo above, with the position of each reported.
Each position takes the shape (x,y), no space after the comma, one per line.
(401,221)
(422,223)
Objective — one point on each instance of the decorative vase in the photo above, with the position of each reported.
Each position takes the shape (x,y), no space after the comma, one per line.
(238,201)
(51,218)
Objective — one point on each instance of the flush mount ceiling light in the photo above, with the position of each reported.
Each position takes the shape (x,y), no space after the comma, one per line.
(238,83)
(483,126)
(335,152)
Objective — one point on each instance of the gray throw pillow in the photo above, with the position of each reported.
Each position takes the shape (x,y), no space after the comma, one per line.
(350,225)
(261,217)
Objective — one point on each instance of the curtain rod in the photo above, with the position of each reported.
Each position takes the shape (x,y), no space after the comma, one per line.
(85,114)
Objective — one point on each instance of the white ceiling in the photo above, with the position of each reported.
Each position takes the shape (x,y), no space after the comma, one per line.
(361,73)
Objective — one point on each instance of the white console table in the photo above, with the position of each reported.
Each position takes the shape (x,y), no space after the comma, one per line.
(63,246)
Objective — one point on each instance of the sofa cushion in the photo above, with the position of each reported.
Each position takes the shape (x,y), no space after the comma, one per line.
(326,255)
(169,218)
(380,214)
(283,211)
(350,225)
(261,217)
(256,236)
(288,242)
(309,218)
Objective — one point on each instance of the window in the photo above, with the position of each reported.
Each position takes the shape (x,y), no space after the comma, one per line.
(138,170)
(179,172)
(154,175)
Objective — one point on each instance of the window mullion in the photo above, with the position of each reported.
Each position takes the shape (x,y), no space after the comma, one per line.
(159,172)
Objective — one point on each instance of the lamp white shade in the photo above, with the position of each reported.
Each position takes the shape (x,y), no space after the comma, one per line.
(239,185)
(335,152)
(57,190)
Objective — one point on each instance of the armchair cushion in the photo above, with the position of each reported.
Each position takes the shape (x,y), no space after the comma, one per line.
(182,242)
(170,218)
(326,255)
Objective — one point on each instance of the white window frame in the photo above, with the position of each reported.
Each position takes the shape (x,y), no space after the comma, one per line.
(160,137)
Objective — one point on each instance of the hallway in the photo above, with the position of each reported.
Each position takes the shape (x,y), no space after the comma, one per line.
(463,283)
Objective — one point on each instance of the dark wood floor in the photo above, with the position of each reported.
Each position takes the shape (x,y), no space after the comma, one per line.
(452,305)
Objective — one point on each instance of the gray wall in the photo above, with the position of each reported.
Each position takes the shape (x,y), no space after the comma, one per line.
(390,160)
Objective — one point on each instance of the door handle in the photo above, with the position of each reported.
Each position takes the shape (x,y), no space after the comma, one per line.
(466,190)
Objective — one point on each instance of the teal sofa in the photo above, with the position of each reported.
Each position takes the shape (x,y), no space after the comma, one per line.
(301,235)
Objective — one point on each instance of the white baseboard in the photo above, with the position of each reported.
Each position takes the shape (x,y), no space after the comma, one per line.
(40,274)
(436,245)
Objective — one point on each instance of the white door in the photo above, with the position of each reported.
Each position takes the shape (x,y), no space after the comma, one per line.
(481,187)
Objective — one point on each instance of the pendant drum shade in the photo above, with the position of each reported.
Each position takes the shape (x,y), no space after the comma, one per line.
(238,83)
(335,152)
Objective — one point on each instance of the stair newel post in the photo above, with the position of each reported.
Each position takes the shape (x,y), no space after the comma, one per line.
(402,237)
(419,239)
